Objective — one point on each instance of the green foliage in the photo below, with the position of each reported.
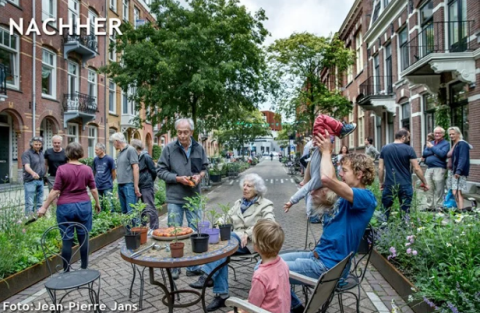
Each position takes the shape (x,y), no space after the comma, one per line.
(297,61)
(196,205)
(215,170)
(176,228)
(87,161)
(160,194)
(203,60)
(442,116)
(438,252)
(212,216)
(156,152)
(225,208)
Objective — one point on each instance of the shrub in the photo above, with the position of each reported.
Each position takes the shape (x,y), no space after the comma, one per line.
(156,152)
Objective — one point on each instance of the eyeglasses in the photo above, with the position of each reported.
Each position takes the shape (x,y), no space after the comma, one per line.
(37,139)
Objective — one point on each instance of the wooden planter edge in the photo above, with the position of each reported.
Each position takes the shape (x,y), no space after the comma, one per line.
(19,281)
(398,281)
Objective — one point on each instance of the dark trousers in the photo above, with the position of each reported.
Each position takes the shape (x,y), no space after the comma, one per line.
(148,197)
(404,194)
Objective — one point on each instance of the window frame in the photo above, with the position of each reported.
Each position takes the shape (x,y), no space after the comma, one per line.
(351,139)
(361,125)
(91,149)
(428,112)
(113,5)
(68,135)
(16,52)
(47,15)
(136,16)
(93,73)
(125,10)
(405,121)
(463,105)
(359,51)
(114,97)
(403,46)
(53,68)
(112,54)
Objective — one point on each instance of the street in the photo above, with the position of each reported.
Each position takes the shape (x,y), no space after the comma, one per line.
(117,274)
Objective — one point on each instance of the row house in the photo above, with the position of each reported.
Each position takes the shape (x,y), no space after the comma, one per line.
(411,57)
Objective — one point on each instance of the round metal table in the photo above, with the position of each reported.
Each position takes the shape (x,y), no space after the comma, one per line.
(162,259)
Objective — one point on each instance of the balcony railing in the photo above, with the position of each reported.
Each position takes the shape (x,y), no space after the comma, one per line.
(79,102)
(3,79)
(81,43)
(377,86)
(438,37)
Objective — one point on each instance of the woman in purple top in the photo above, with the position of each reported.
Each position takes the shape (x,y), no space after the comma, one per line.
(73,203)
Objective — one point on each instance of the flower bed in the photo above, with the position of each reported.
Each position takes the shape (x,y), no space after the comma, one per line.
(439,253)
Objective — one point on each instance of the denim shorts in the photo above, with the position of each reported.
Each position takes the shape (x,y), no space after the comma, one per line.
(80,212)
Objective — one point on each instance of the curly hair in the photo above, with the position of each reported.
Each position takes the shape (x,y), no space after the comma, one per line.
(360,162)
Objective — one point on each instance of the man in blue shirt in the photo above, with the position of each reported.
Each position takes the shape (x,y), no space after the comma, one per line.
(435,155)
(105,174)
(394,166)
(345,223)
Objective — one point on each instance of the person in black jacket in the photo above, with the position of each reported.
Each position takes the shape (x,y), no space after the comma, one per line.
(148,174)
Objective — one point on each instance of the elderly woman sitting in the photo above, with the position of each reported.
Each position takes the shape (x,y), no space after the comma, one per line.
(244,215)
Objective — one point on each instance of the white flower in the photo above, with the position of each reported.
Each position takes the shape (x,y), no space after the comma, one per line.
(410,298)
(420,229)
(449,244)
(444,222)
(439,215)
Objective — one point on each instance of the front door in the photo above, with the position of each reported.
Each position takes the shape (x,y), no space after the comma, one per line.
(4,154)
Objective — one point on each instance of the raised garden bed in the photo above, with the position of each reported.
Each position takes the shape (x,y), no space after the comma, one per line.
(19,281)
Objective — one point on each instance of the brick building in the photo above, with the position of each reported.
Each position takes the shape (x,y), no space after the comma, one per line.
(62,92)
(411,57)
(274,120)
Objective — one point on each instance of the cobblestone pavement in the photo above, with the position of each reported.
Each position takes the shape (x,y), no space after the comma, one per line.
(116,274)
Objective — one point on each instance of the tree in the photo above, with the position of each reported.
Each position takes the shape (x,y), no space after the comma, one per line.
(203,61)
(298,61)
(246,128)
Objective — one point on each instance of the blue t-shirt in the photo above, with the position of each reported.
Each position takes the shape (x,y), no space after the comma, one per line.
(344,226)
(396,159)
(102,168)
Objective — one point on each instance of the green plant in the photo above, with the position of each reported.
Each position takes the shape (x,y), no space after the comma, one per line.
(135,217)
(176,228)
(160,194)
(87,161)
(196,205)
(215,170)
(156,152)
(225,208)
(212,216)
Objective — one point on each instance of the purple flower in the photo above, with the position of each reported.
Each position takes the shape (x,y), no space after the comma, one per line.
(430,303)
(414,252)
(409,251)
(452,307)
(392,250)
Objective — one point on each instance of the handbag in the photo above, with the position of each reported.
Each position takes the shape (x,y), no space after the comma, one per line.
(450,202)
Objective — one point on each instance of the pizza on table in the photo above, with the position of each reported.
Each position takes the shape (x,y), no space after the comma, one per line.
(170,231)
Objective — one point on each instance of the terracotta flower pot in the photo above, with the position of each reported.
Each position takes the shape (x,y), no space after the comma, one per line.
(176,249)
(143,233)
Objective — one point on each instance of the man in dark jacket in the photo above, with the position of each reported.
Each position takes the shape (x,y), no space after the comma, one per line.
(182,161)
(435,155)
(148,174)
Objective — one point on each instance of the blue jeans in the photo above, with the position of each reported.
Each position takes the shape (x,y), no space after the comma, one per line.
(127,196)
(106,199)
(303,263)
(179,210)
(404,194)
(220,278)
(33,195)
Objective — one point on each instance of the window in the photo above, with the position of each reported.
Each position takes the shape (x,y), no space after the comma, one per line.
(428,34)
(429,112)
(361,125)
(112,97)
(9,57)
(113,5)
(13,1)
(404,52)
(376,75)
(73,71)
(388,70)
(136,16)
(49,9)
(125,9)
(92,84)
(124,102)
(378,134)
(92,17)
(376,11)
(351,139)
(112,55)
(72,133)
(385,3)
(92,140)
(111,148)
(49,73)
(406,115)
(349,74)
(459,107)
(359,52)
(73,12)
(458,26)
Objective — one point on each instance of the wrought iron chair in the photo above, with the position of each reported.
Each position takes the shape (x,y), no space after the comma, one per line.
(70,278)
(356,275)
(322,293)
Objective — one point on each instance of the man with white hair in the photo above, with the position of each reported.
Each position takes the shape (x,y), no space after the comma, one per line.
(127,172)
(182,162)
(54,157)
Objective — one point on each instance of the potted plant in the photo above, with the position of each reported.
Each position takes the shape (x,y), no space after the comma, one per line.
(213,232)
(139,217)
(215,174)
(132,237)
(176,247)
(225,227)
(200,239)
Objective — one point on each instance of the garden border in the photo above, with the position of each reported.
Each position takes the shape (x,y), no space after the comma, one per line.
(19,281)
(398,281)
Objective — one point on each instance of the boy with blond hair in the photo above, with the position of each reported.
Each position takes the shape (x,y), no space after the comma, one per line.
(270,283)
